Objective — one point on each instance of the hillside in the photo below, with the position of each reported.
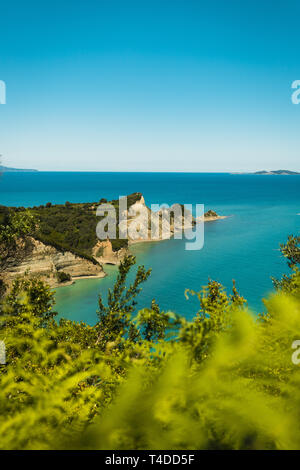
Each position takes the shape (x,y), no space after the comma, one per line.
(59,241)
(8,169)
(276,172)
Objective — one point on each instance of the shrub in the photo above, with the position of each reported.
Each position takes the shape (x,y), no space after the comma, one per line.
(63,277)
(224,380)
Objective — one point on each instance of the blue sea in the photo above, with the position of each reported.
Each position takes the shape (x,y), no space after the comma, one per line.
(262,211)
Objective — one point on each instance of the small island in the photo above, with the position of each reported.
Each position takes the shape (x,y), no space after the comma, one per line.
(276,172)
(269,172)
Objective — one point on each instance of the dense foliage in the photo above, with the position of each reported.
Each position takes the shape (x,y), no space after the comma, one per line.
(290,284)
(225,380)
(72,226)
(67,227)
(14,227)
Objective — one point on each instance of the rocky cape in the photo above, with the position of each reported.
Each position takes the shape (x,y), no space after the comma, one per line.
(59,266)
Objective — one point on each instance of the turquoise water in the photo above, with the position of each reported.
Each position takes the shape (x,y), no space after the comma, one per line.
(263,211)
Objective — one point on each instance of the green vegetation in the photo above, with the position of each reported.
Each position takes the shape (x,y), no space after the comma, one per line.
(69,226)
(15,224)
(63,277)
(290,284)
(72,226)
(14,227)
(224,380)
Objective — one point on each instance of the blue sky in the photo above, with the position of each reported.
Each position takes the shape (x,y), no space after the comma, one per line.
(150,85)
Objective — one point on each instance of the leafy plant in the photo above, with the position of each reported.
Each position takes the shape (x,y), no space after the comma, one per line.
(115,318)
(290,284)
(224,380)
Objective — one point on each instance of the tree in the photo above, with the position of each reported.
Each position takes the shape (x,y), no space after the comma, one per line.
(228,380)
(14,229)
(16,225)
(31,295)
(63,277)
(115,319)
(290,284)
(291,250)
(156,325)
(213,318)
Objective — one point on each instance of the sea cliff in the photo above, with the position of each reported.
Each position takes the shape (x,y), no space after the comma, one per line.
(36,259)
(63,246)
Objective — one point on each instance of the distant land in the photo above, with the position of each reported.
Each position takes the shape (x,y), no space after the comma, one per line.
(270,172)
(276,172)
(6,168)
(261,172)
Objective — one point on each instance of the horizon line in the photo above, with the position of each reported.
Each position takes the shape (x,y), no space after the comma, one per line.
(158,171)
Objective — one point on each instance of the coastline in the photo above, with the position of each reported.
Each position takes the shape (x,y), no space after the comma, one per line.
(198,220)
(78,278)
(134,242)
(58,261)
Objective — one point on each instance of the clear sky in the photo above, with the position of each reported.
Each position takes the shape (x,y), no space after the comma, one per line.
(148,85)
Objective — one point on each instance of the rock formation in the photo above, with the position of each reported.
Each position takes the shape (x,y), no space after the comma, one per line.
(46,261)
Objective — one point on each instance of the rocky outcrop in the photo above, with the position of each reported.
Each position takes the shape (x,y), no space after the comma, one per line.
(161,225)
(104,253)
(45,262)
(212,215)
(141,224)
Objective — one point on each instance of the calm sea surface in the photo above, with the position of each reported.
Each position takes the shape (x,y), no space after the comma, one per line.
(263,211)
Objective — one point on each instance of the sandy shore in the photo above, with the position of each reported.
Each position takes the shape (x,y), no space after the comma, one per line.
(76,278)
